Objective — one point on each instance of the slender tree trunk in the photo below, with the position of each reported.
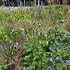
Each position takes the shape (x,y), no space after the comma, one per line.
(64,2)
(34,2)
(24,2)
(38,2)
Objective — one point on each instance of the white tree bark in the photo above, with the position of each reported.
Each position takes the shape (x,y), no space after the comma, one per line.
(24,2)
(38,2)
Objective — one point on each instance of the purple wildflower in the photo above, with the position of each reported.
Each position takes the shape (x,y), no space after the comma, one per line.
(67,47)
(23,68)
(58,58)
(52,60)
(68,29)
(17,62)
(23,24)
(17,55)
(68,62)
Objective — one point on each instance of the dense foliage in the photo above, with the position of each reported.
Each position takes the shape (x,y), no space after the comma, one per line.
(35,39)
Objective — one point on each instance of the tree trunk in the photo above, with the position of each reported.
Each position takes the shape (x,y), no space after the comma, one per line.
(64,2)
(51,2)
(24,2)
(34,2)
(38,2)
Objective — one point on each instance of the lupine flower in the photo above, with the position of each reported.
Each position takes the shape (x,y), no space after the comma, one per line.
(52,60)
(58,58)
(67,47)
(68,62)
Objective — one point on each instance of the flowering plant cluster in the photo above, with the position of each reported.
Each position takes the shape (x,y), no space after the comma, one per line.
(33,39)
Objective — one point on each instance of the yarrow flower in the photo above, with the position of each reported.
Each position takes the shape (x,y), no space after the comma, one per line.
(16,45)
(61,21)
